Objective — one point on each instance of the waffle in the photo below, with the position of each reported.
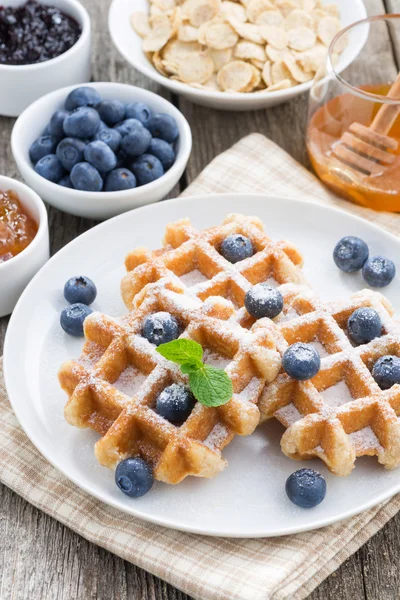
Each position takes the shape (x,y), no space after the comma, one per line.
(341,413)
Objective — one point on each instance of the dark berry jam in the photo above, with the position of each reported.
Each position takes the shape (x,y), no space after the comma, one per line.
(33,33)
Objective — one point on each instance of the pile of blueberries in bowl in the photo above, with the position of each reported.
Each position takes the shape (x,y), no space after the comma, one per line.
(104,145)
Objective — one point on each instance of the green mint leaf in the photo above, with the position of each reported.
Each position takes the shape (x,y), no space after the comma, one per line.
(181,351)
(211,386)
(191,367)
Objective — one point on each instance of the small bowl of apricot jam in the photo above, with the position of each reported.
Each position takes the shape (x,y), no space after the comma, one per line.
(24,240)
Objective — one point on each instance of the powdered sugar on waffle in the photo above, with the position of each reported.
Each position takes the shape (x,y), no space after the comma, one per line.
(129,381)
(337,395)
(365,440)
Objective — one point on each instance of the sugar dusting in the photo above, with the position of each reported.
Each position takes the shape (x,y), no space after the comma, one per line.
(337,395)
(364,440)
(320,348)
(193,278)
(288,414)
(130,380)
(215,360)
(216,437)
(250,392)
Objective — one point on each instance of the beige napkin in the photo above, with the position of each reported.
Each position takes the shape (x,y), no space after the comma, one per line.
(206,568)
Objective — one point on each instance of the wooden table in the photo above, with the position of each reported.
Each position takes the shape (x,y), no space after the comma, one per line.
(41,559)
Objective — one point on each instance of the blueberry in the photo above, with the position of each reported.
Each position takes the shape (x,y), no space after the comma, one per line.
(85,177)
(386,371)
(160,328)
(306,488)
(301,361)
(101,156)
(147,168)
(163,151)
(111,137)
(111,111)
(163,126)
(379,271)
(72,318)
(128,126)
(236,247)
(50,168)
(41,147)
(66,182)
(46,130)
(70,152)
(364,325)
(82,96)
(263,300)
(80,289)
(56,124)
(350,254)
(120,179)
(82,123)
(175,403)
(136,142)
(134,477)
(122,159)
(139,111)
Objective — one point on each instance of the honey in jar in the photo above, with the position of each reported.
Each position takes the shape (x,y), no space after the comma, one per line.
(329,122)
(17,228)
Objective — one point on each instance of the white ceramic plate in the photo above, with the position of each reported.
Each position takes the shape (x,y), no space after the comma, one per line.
(129,45)
(248,499)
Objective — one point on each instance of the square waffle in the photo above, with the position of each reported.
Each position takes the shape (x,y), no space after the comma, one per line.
(341,413)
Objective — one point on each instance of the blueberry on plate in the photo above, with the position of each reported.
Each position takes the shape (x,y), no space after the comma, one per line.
(163,151)
(236,247)
(128,126)
(119,179)
(50,168)
(160,328)
(147,168)
(306,488)
(263,300)
(163,126)
(386,371)
(301,361)
(136,142)
(66,182)
(111,137)
(82,123)
(101,156)
(379,271)
(350,254)
(80,289)
(43,146)
(134,477)
(56,124)
(70,152)
(85,176)
(72,318)
(82,96)
(111,111)
(364,325)
(175,403)
(139,111)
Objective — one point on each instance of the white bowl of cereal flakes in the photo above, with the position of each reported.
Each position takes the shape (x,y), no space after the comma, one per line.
(233,55)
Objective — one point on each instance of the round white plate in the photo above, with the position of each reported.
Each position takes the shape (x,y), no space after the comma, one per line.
(248,499)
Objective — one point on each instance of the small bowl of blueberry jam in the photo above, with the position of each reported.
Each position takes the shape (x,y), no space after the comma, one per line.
(44,45)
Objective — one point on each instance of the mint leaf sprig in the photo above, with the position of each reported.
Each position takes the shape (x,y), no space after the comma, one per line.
(209,385)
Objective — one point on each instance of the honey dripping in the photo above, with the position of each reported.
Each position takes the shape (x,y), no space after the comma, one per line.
(17,229)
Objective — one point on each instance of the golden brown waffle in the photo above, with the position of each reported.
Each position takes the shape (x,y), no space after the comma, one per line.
(341,413)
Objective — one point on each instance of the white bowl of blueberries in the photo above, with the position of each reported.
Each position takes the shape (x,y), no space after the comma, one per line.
(102,149)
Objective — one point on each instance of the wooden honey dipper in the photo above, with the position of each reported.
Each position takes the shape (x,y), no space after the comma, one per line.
(366,148)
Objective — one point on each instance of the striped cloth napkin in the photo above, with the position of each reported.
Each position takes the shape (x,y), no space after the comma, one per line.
(205,568)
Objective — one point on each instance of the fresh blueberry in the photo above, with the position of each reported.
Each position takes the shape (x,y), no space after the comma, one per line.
(122,159)
(263,300)
(160,328)
(56,124)
(70,152)
(350,254)
(82,123)
(175,403)
(236,247)
(136,142)
(386,371)
(66,182)
(82,96)
(46,130)
(379,271)
(41,147)
(306,488)
(111,111)
(128,126)
(111,137)
(50,168)
(163,151)
(72,318)
(86,177)
(101,156)
(301,361)
(134,477)
(147,168)
(364,325)
(163,126)
(139,111)
(120,179)
(80,289)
